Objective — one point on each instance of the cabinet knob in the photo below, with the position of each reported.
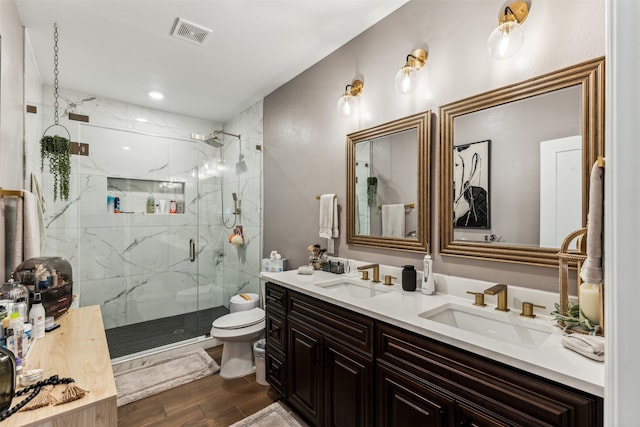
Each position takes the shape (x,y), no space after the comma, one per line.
(479,298)
(527,309)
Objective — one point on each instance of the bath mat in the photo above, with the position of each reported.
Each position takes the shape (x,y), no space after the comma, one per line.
(162,374)
(275,415)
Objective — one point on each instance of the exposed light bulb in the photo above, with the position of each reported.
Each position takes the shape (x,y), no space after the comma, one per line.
(344,106)
(407,79)
(505,40)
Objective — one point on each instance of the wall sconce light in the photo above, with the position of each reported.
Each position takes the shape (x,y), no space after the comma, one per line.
(346,101)
(407,78)
(508,36)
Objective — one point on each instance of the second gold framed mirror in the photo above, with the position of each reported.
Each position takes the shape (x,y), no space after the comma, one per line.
(515,164)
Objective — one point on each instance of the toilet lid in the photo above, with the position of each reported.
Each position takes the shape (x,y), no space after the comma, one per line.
(239,319)
(243,298)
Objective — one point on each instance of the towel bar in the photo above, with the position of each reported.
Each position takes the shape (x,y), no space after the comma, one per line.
(11,193)
(407,206)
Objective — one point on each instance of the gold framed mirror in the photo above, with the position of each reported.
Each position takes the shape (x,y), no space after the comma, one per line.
(515,165)
(388,191)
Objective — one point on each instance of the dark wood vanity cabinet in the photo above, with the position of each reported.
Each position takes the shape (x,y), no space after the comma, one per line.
(482,392)
(323,361)
(329,358)
(277,337)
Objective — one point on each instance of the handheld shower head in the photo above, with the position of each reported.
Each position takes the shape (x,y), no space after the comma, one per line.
(236,209)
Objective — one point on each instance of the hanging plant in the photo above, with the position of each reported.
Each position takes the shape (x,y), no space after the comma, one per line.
(57,150)
(372,190)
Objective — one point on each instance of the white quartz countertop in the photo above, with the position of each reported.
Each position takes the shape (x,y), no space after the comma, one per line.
(550,360)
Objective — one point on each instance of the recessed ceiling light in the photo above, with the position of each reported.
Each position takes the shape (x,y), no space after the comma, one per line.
(126,148)
(142,120)
(156,95)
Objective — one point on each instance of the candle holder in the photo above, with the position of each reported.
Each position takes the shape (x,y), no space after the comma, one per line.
(568,316)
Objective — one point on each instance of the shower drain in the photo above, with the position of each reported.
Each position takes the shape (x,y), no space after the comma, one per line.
(178,331)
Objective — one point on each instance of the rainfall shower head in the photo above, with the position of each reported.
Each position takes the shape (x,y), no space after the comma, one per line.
(214,141)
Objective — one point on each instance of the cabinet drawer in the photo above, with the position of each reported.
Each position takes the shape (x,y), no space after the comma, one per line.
(501,391)
(343,325)
(276,331)
(276,370)
(275,298)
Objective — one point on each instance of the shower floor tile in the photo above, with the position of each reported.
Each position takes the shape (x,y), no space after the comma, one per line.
(129,339)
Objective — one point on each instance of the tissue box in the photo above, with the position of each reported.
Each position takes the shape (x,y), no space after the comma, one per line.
(274,265)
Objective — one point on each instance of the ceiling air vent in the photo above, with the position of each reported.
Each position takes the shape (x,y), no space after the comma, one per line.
(191,32)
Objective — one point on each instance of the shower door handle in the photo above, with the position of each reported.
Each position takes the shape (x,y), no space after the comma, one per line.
(192,250)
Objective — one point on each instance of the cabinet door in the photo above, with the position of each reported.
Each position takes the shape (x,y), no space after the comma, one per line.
(304,385)
(403,401)
(349,386)
(276,370)
(276,331)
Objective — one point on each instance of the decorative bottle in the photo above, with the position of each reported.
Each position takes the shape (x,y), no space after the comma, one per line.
(409,278)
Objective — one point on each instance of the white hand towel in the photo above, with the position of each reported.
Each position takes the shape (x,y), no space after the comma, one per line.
(31,228)
(329,216)
(591,271)
(18,235)
(42,207)
(587,345)
(393,220)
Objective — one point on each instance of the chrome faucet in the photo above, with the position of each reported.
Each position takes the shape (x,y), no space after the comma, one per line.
(376,272)
(501,291)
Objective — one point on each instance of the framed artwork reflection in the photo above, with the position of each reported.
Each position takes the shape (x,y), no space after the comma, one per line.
(471,185)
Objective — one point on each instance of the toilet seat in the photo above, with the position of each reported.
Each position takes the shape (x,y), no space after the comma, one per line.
(240,319)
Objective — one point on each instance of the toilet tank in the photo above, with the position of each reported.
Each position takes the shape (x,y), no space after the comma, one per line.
(244,301)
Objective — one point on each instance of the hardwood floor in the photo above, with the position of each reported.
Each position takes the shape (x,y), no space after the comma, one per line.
(210,401)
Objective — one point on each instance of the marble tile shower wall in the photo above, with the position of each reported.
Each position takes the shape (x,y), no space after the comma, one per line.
(244,176)
(134,265)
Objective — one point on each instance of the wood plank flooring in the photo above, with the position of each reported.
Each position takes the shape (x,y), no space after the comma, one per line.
(210,401)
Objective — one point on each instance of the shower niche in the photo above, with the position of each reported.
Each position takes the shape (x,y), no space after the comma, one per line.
(142,196)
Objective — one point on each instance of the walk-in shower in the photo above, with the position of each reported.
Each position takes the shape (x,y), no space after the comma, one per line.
(194,295)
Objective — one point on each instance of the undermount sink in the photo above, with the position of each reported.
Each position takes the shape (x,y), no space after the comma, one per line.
(487,322)
(355,289)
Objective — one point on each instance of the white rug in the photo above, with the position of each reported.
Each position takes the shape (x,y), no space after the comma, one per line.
(275,415)
(162,374)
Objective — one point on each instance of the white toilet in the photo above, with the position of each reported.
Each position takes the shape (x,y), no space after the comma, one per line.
(238,330)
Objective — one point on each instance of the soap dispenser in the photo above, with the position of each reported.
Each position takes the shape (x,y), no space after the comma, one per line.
(408,278)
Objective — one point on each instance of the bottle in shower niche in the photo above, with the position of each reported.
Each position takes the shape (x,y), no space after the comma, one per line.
(151,204)
(409,278)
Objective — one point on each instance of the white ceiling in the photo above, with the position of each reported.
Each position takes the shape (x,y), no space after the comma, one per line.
(121,49)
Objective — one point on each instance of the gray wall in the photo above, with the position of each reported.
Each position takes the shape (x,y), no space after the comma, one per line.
(305,137)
